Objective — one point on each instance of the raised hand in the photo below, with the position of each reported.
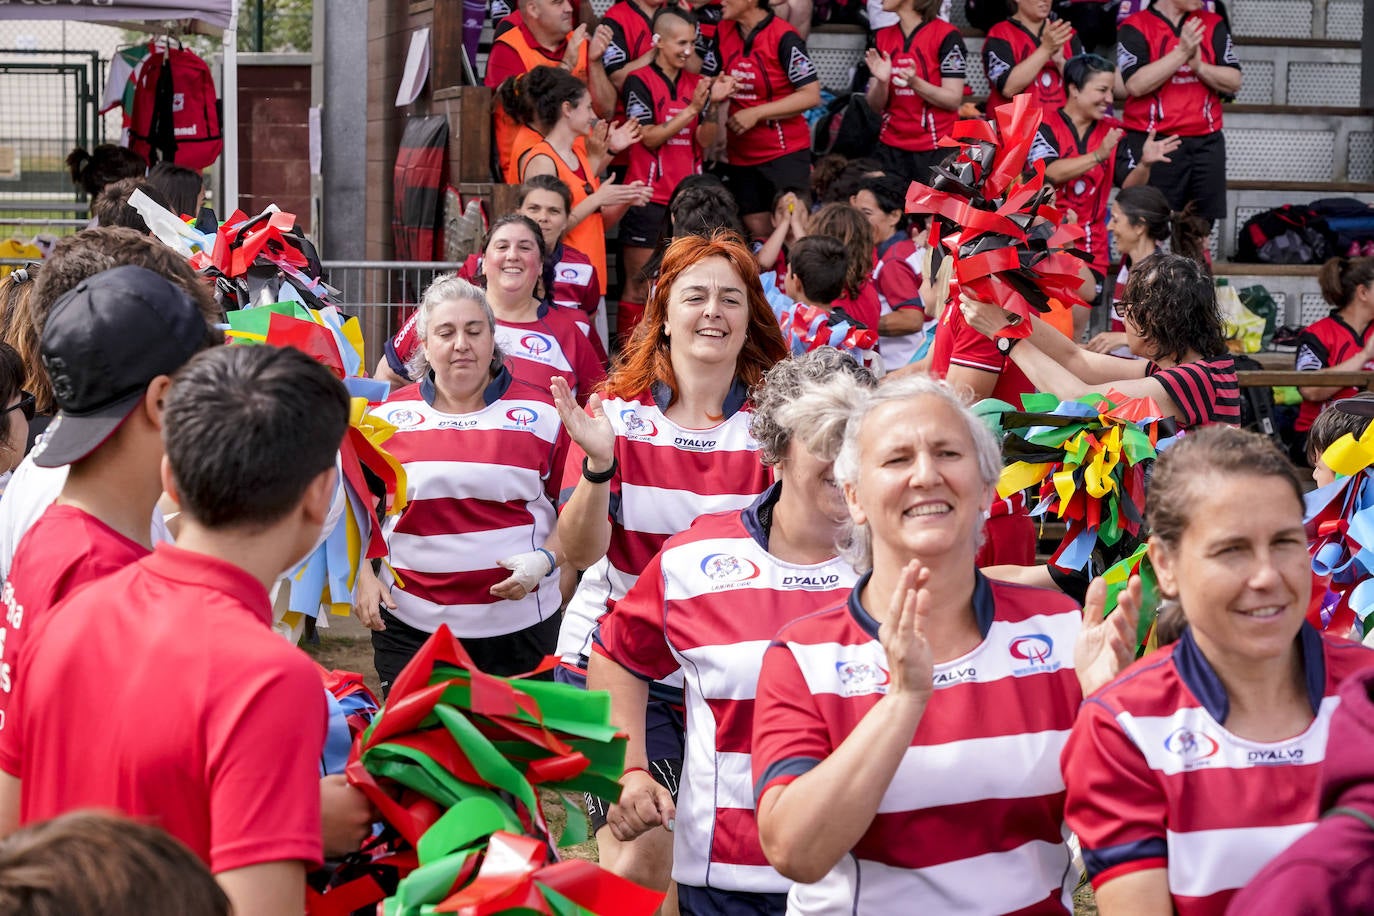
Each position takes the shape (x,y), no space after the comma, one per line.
(910,661)
(700,95)
(601,40)
(1056,35)
(879,64)
(1190,38)
(624,135)
(1106,645)
(589,429)
(1158,150)
(1108,145)
(599,140)
(575,39)
(723,87)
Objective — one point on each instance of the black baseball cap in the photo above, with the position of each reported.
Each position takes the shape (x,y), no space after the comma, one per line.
(103,344)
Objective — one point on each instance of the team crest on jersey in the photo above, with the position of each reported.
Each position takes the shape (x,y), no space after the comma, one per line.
(1046,80)
(1079,187)
(614,55)
(521,418)
(636,427)
(500,9)
(954,61)
(1125,60)
(1194,748)
(1040,149)
(997,67)
(858,678)
(536,345)
(1036,653)
(1229,55)
(800,67)
(636,107)
(725,568)
(404,418)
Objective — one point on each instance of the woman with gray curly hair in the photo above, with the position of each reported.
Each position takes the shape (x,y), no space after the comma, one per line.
(708,603)
(475,546)
(906,738)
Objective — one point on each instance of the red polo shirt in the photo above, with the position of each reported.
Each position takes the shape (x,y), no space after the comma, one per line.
(164,694)
(64,550)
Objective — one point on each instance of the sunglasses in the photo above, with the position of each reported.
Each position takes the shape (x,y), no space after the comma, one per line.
(26,403)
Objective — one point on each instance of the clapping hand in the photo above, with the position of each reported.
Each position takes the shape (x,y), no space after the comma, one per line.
(1106,644)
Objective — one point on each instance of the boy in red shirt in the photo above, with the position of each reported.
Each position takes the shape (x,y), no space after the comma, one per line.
(212,731)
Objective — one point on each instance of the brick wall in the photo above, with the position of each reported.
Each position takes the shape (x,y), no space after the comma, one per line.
(274,137)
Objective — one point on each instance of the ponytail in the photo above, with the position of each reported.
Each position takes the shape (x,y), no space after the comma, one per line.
(1188,235)
(1341,277)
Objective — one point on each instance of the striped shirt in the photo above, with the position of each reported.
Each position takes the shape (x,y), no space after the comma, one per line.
(685,611)
(1156,781)
(665,477)
(972,822)
(481,487)
(897,280)
(1205,391)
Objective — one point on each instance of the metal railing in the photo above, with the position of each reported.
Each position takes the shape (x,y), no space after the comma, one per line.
(382,294)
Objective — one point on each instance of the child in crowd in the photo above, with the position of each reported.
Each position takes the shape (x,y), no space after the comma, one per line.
(815,278)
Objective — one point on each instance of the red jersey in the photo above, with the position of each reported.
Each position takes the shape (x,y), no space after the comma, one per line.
(897,281)
(864,308)
(64,550)
(1087,195)
(709,17)
(958,344)
(936,50)
(973,819)
(1155,780)
(632,34)
(652,98)
(684,613)
(768,63)
(1183,105)
(1008,43)
(1205,391)
(1323,344)
(215,738)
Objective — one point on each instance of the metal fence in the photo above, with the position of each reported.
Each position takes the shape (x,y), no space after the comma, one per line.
(382,294)
(48,102)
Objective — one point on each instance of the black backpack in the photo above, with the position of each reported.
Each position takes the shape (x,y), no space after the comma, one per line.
(1349,220)
(1290,234)
(849,127)
(1257,411)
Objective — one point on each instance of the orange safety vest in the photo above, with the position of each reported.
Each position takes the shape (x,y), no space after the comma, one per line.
(530,57)
(588,236)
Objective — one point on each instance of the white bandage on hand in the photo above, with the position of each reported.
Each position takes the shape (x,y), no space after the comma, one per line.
(528,568)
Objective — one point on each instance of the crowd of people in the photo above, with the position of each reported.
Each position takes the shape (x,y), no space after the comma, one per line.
(756,502)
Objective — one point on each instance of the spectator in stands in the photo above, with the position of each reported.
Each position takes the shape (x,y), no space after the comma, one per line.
(183,188)
(19,332)
(844,183)
(700,205)
(917,80)
(1141,222)
(111,206)
(815,276)
(897,260)
(1199,764)
(666,442)
(252,435)
(1084,159)
(841,221)
(565,107)
(769,143)
(495,594)
(576,284)
(674,109)
(875,792)
(545,37)
(1342,340)
(632,44)
(1178,65)
(790,216)
(1347,416)
(106,164)
(1026,53)
(91,864)
(1172,321)
(676,617)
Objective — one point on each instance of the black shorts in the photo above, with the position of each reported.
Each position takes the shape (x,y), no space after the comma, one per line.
(1197,172)
(641,227)
(708,901)
(755,186)
(910,165)
(505,655)
(664,744)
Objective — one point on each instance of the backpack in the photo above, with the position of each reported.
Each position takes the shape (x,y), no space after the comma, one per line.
(848,127)
(176,113)
(1257,411)
(984,14)
(1290,234)
(1349,220)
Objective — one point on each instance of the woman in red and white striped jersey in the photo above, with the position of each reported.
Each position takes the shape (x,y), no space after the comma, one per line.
(475,547)
(905,739)
(778,557)
(1203,760)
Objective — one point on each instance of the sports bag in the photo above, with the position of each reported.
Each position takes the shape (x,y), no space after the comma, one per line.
(176,113)
(849,127)
(1290,234)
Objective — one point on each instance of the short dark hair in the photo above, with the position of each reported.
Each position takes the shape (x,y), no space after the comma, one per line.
(106,163)
(1081,67)
(551,183)
(92,251)
(247,428)
(180,185)
(675,12)
(1172,300)
(111,206)
(819,262)
(1350,416)
(87,863)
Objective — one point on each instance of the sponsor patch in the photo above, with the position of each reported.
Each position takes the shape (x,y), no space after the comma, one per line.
(1125,60)
(997,68)
(858,678)
(800,67)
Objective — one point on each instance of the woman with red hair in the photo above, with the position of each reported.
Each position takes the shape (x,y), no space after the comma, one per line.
(665,441)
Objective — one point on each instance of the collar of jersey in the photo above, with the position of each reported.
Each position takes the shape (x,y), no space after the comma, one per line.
(898,236)
(1204,684)
(984,605)
(739,393)
(490,394)
(758,515)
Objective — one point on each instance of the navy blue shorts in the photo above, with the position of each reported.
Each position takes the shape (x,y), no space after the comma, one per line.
(707,901)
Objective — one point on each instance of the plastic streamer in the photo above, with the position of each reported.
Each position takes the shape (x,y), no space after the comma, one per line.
(453,761)
(1086,461)
(807,328)
(1340,533)
(1117,577)
(997,220)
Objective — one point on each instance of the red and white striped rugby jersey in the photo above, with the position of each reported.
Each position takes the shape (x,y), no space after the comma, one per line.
(1156,781)
(709,604)
(665,477)
(481,487)
(973,820)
